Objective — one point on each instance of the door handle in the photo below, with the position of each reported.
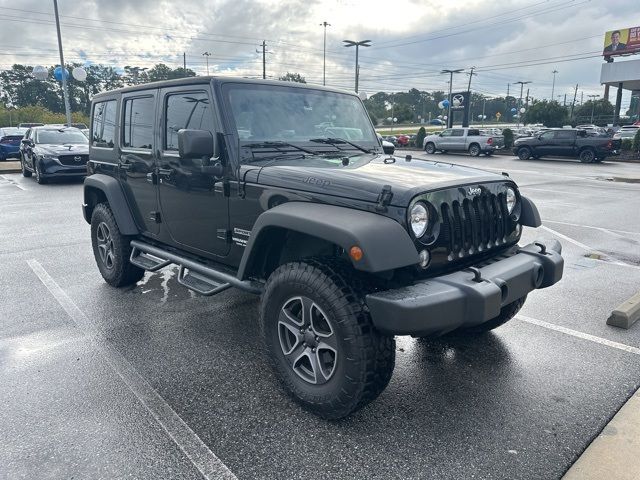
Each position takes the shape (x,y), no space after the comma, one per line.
(165,172)
(124,166)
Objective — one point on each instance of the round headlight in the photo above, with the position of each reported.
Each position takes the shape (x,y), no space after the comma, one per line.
(511,199)
(419,219)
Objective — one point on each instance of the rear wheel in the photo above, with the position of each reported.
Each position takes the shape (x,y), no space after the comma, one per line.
(474,150)
(430,148)
(111,249)
(320,338)
(524,153)
(25,173)
(587,155)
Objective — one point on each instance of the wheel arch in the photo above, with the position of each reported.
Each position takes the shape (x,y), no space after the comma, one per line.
(99,188)
(314,227)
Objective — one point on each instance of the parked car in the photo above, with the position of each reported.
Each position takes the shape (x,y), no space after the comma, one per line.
(10,142)
(392,139)
(403,140)
(436,121)
(566,142)
(345,247)
(51,152)
(628,131)
(463,140)
(29,125)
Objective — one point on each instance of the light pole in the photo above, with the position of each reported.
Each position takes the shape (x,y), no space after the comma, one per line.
(553,85)
(362,43)
(593,104)
(65,93)
(207,55)
(450,72)
(324,24)
(522,84)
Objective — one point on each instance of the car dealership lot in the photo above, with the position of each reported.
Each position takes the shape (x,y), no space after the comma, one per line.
(158,382)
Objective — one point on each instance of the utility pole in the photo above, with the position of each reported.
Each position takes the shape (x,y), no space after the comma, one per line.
(207,55)
(65,92)
(324,24)
(564,104)
(581,97)
(471,74)
(575,95)
(522,84)
(184,63)
(593,104)
(264,59)
(553,85)
(506,101)
(451,72)
(484,104)
(362,43)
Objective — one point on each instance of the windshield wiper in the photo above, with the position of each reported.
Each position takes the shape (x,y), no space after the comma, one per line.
(277,144)
(337,141)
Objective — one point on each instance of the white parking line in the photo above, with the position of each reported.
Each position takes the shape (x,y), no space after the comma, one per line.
(13,182)
(575,333)
(210,466)
(602,229)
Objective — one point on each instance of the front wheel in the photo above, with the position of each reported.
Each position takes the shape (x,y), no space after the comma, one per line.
(111,249)
(524,153)
(25,173)
(39,178)
(430,148)
(320,338)
(587,155)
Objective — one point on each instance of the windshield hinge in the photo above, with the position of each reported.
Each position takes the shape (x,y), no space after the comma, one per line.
(384,198)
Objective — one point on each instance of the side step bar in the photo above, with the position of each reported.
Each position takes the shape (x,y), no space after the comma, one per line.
(196,276)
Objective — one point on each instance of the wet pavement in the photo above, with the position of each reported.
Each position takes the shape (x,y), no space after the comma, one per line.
(157,382)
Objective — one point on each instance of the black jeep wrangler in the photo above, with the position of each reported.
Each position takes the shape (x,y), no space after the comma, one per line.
(283,190)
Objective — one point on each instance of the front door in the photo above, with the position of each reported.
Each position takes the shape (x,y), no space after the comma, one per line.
(195,209)
(137,160)
(544,144)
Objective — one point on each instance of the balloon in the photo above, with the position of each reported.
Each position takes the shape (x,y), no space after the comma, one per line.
(440,105)
(522,110)
(445,103)
(514,110)
(80,74)
(40,73)
(57,73)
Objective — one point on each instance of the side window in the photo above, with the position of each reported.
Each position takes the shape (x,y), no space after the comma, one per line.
(139,116)
(548,135)
(446,133)
(568,135)
(104,124)
(186,110)
(457,132)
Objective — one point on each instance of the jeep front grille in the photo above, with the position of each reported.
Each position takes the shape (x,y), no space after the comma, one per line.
(474,226)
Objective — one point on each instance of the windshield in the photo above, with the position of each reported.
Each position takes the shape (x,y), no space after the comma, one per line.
(59,137)
(266,113)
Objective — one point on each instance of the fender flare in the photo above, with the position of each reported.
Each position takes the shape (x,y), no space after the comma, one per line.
(385,243)
(111,189)
(529,215)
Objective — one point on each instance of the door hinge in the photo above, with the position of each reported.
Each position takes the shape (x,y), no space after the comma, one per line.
(155,217)
(224,234)
(384,198)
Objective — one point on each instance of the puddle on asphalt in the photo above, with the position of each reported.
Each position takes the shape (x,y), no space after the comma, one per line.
(163,285)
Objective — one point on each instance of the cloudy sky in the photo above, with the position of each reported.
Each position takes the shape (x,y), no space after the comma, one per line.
(412,40)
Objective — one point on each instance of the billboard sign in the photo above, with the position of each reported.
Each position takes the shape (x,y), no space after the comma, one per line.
(621,42)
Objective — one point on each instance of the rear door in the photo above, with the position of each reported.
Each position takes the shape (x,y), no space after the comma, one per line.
(137,161)
(564,143)
(195,209)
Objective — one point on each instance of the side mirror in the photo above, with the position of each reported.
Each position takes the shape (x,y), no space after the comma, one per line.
(196,144)
(25,141)
(388,149)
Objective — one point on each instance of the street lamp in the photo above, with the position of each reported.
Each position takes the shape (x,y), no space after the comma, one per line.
(553,86)
(451,72)
(522,84)
(207,55)
(362,43)
(593,104)
(324,24)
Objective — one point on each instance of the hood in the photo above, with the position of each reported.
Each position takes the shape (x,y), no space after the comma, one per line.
(67,149)
(366,175)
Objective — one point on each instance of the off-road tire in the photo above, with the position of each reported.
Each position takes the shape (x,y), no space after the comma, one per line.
(430,148)
(475,150)
(587,155)
(365,358)
(25,173)
(524,153)
(506,313)
(120,272)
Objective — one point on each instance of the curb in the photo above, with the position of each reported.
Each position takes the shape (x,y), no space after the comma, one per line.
(615,453)
(626,314)
(10,167)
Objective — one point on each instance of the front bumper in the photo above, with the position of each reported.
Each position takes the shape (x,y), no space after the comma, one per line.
(462,299)
(50,168)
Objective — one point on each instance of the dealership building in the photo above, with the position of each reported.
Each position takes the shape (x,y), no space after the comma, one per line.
(623,74)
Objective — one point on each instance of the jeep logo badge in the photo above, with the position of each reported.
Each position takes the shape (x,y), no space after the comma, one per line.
(77,159)
(474,191)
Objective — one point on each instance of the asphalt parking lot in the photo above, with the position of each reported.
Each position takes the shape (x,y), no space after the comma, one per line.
(156,382)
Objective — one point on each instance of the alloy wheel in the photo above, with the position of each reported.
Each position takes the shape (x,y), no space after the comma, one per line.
(307,340)
(105,245)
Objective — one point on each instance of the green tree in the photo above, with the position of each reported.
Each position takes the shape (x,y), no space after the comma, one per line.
(602,109)
(507,133)
(550,114)
(636,141)
(292,77)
